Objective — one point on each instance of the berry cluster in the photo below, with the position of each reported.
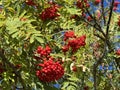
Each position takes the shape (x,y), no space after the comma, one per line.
(43,52)
(115,5)
(118,52)
(50,71)
(30,3)
(73,41)
(49,13)
(69,34)
(82,4)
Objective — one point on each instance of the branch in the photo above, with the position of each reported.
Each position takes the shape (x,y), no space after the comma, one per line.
(99,27)
(97,35)
(103,12)
(109,20)
(99,61)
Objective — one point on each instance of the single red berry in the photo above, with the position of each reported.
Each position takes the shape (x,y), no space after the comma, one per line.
(118,52)
(65,48)
(115,8)
(85,1)
(83,15)
(74,68)
(118,23)
(96,2)
(89,18)
(116,3)
(23,19)
(86,88)
(87,5)
(18,66)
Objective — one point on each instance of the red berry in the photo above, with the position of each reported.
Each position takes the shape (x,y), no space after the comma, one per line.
(30,2)
(23,19)
(65,48)
(87,5)
(18,66)
(114,8)
(116,3)
(79,4)
(86,88)
(97,2)
(118,52)
(85,1)
(89,18)
(118,22)
(39,49)
(74,68)
(83,15)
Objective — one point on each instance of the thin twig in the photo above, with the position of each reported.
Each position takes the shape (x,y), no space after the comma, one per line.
(99,27)
(103,12)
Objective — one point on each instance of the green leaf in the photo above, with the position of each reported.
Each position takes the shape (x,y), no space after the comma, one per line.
(10,9)
(2,23)
(39,39)
(15,35)
(73,79)
(89,83)
(73,10)
(71,88)
(65,84)
(2,16)
(32,39)
(12,30)
(74,84)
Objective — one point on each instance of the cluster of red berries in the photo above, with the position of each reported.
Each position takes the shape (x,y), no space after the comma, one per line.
(50,71)
(49,13)
(69,34)
(116,3)
(118,52)
(73,41)
(30,3)
(82,4)
(43,52)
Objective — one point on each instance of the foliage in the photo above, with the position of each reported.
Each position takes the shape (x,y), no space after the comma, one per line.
(26,25)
